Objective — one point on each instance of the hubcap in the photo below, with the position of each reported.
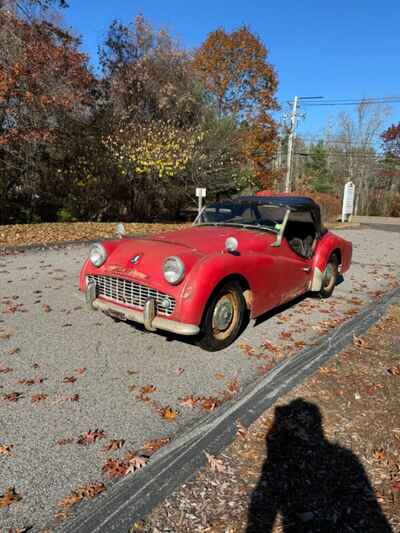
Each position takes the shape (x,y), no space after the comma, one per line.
(223,313)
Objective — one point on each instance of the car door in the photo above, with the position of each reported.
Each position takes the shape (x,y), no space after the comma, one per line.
(296,268)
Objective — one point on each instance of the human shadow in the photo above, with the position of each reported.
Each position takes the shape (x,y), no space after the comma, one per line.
(313,484)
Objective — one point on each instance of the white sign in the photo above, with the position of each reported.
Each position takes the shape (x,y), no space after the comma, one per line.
(201,192)
(348,200)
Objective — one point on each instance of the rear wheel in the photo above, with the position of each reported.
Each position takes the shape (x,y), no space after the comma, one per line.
(224,317)
(330,276)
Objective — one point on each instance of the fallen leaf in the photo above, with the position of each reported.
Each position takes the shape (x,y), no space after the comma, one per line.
(359,342)
(216,465)
(60,516)
(12,396)
(136,463)
(113,445)
(5,449)
(148,389)
(114,468)
(188,401)
(234,386)
(209,404)
(32,381)
(395,371)
(91,490)
(90,437)
(241,430)
(379,455)
(66,440)
(14,351)
(180,371)
(154,445)
(46,308)
(9,497)
(5,370)
(69,379)
(70,500)
(39,397)
(80,370)
(168,413)
(220,375)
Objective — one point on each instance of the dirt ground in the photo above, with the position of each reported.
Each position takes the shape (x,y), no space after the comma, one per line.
(326,458)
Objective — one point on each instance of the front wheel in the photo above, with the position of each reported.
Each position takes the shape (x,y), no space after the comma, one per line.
(224,318)
(329,278)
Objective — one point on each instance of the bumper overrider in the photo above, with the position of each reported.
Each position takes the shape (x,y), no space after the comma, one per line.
(147,317)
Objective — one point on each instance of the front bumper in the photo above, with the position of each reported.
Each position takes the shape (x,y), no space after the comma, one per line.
(148,316)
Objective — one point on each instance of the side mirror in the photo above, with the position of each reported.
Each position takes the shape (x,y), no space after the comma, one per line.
(120,231)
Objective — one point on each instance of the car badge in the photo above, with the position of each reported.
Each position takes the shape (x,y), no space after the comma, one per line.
(135,260)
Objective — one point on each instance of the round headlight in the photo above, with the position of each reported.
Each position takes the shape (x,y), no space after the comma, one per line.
(174,270)
(97,255)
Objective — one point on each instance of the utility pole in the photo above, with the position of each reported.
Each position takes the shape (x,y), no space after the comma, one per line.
(293,124)
(292,135)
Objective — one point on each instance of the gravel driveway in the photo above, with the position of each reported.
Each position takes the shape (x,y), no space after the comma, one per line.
(77,371)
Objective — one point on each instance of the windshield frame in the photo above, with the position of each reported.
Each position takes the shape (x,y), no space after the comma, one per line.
(255,226)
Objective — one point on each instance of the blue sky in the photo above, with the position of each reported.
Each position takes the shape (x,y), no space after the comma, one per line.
(341,49)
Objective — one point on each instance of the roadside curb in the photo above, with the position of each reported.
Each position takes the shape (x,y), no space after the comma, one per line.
(133,497)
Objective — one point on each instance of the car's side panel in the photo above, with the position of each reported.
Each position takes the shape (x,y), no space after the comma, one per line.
(273,277)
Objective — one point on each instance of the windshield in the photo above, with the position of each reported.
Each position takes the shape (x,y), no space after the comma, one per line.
(246,214)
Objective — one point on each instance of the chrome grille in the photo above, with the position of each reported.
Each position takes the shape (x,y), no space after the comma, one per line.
(130,293)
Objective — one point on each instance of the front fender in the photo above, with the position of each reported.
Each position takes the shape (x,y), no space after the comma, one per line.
(212,269)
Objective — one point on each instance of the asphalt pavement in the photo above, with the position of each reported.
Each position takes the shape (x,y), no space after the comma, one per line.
(47,336)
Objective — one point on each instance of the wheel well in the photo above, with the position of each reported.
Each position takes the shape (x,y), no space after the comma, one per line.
(247,293)
(338,254)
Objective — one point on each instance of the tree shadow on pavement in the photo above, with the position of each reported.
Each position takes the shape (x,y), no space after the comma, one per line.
(313,484)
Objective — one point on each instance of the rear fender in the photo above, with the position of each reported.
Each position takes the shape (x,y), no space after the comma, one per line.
(327,246)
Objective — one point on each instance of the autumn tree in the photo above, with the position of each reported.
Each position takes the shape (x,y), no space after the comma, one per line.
(44,85)
(238,78)
(164,137)
(389,194)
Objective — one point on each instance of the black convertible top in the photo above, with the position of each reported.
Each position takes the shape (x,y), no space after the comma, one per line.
(294,203)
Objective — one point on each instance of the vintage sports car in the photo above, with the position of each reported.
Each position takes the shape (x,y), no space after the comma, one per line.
(241,258)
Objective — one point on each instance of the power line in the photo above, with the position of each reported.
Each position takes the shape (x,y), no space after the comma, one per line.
(376,157)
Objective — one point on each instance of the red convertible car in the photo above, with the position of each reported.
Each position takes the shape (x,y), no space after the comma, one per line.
(241,258)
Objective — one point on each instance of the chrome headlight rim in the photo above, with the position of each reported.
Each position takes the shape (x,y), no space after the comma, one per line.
(180,269)
(102,255)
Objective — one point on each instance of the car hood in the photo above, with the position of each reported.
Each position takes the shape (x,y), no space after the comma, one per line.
(143,257)
(211,239)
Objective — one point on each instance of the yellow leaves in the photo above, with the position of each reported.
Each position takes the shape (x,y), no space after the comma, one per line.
(159,149)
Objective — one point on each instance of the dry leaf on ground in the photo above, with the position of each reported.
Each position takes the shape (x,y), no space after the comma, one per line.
(216,465)
(114,468)
(12,396)
(5,449)
(136,463)
(154,445)
(241,430)
(39,397)
(90,437)
(168,413)
(113,445)
(69,379)
(9,497)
